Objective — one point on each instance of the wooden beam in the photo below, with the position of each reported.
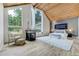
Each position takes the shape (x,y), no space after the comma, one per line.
(6,6)
(35,4)
(43,5)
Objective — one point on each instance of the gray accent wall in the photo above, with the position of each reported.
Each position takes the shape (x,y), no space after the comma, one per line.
(72,23)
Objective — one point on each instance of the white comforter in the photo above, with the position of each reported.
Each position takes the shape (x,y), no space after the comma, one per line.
(60,43)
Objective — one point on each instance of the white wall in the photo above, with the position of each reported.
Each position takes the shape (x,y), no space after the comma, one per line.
(1,27)
(46,25)
(5,25)
(52,25)
(78,27)
(27,17)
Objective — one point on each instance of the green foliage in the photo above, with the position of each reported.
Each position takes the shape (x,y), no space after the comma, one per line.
(15,20)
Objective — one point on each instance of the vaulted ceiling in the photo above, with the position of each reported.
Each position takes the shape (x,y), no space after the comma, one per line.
(60,11)
(56,11)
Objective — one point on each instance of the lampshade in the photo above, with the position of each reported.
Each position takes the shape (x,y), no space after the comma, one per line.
(70,29)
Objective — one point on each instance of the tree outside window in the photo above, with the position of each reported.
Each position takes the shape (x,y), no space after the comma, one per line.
(14,20)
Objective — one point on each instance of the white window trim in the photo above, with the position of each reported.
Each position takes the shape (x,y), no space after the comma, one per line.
(33,18)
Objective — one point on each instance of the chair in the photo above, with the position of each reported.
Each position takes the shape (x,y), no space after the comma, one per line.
(14,36)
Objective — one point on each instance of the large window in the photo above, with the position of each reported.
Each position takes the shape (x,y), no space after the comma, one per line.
(14,20)
(38,21)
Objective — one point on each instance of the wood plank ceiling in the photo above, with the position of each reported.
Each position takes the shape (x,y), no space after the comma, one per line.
(58,11)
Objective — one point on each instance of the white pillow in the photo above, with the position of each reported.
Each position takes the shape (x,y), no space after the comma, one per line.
(60,31)
(55,36)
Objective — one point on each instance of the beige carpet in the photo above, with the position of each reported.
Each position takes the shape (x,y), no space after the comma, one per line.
(39,48)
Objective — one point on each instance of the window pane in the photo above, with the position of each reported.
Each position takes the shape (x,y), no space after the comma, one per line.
(38,21)
(14,19)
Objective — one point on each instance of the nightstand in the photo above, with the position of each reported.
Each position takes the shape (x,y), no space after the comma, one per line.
(69,34)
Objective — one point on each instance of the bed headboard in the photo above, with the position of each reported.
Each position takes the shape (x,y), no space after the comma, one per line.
(61,26)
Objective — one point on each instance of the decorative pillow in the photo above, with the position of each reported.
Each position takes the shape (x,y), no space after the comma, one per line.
(60,31)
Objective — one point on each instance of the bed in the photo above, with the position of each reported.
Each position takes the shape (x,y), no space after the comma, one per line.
(59,34)
(58,39)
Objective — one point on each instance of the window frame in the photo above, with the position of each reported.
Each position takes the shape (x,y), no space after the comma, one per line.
(33,18)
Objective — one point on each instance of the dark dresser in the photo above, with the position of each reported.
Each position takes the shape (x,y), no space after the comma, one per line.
(30,35)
